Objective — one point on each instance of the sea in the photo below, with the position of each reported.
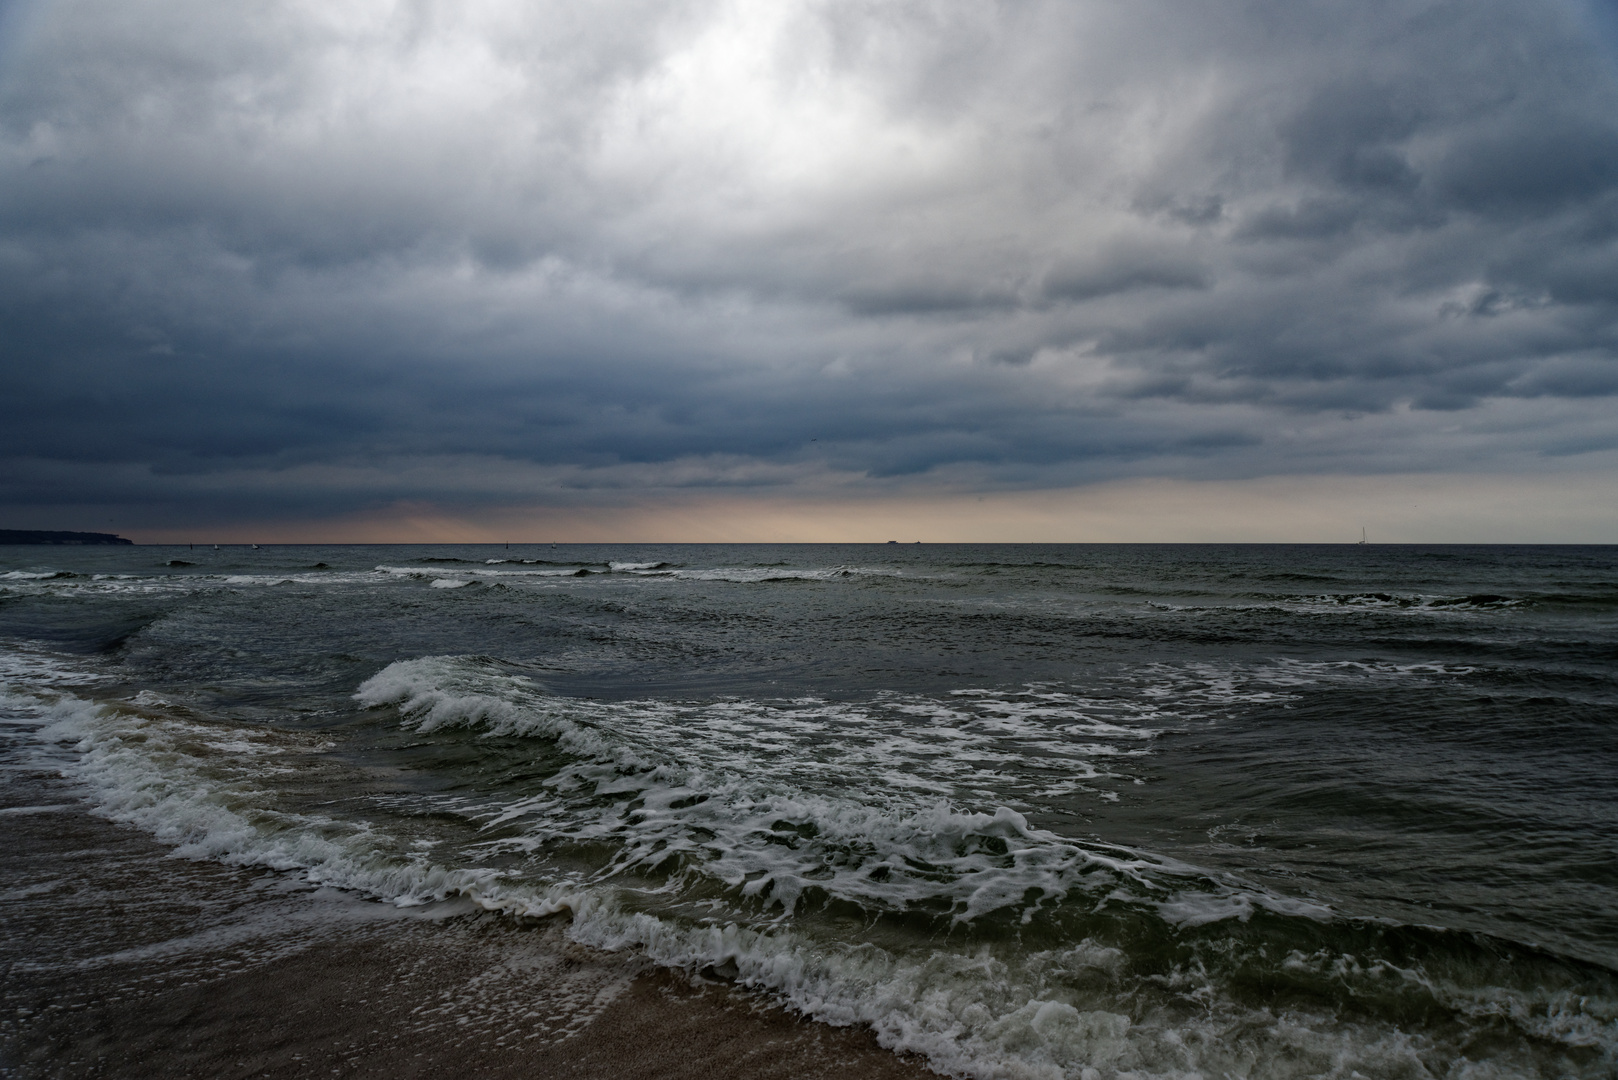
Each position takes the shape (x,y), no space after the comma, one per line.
(1021,811)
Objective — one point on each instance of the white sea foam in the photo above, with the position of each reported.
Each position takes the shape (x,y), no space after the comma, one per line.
(464,574)
(1424,605)
(166,583)
(755,795)
(50,808)
(910,751)
(29,669)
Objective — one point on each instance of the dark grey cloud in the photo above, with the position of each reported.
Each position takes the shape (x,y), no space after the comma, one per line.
(287,259)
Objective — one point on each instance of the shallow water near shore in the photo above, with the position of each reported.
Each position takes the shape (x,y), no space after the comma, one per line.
(1020,810)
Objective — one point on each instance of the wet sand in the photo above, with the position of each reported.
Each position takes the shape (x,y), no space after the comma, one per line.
(119,961)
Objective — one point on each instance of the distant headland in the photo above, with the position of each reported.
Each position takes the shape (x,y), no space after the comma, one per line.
(45,536)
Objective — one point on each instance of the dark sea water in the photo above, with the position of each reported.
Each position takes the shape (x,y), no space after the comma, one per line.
(1030,811)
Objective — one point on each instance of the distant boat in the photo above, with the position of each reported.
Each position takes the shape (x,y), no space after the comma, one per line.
(255,547)
(1362,534)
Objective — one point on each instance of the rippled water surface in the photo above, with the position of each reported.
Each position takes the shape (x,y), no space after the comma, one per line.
(1027,810)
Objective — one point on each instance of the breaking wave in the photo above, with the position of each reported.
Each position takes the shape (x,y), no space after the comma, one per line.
(828,854)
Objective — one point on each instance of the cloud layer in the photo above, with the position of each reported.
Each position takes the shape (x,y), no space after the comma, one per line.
(292,261)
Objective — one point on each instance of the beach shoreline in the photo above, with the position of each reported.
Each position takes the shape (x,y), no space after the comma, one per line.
(197,969)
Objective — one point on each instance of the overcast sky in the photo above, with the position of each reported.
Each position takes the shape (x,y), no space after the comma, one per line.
(805,270)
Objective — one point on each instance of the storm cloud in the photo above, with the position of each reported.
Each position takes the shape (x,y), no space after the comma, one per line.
(292,261)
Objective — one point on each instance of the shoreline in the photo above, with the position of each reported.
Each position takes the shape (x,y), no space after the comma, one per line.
(177,968)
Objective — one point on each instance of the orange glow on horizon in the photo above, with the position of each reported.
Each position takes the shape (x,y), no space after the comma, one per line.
(1393,509)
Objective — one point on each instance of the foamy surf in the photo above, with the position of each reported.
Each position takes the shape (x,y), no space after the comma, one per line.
(992,947)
